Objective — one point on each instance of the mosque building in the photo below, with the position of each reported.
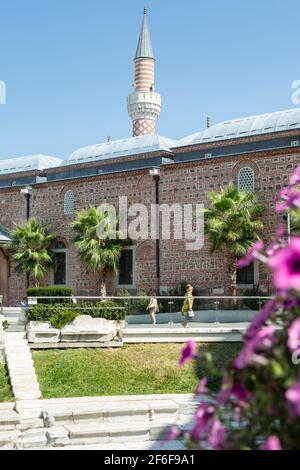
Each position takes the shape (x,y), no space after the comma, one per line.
(256,153)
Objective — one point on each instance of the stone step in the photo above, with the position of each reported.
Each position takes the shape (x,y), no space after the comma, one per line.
(12,310)
(8,420)
(23,379)
(17,350)
(32,395)
(15,328)
(147,445)
(18,357)
(181,336)
(9,437)
(98,434)
(17,344)
(13,367)
(26,387)
(113,412)
(12,319)
(22,361)
(21,371)
(34,438)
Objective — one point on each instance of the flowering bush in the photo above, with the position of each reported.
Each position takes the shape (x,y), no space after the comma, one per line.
(258,405)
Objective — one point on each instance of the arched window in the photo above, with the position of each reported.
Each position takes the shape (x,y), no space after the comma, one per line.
(60,253)
(246,180)
(69,203)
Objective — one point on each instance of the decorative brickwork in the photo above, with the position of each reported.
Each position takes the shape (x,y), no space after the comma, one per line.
(143,127)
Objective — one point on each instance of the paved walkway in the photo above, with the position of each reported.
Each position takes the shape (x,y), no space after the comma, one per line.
(20,367)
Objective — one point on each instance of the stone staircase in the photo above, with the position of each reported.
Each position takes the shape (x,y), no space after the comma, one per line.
(137,422)
(20,367)
(14,316)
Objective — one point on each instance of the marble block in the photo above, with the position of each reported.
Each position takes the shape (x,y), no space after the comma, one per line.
(87,329)
(42,332)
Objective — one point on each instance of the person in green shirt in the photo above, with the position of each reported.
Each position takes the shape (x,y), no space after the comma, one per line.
(187,307)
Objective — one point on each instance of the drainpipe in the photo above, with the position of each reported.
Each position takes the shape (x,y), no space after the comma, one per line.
(155,172)
(27,192)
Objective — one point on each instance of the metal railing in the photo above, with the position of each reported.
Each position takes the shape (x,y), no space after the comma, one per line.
(211,309)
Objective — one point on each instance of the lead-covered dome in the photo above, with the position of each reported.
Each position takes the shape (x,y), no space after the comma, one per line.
(245,127)
(122,148)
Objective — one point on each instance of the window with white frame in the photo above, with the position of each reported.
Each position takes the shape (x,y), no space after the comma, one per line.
(60,254)
(246,180)
(126,276)
(69,203)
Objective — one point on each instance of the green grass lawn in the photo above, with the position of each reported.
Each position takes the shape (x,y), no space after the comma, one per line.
(131,370)
(5,390)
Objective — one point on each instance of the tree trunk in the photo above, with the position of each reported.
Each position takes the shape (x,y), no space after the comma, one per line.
(103,292)
(232,270)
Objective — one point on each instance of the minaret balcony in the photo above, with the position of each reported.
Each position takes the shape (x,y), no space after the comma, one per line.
(144,104)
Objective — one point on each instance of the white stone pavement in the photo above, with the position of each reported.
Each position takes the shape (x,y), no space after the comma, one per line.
(20,367)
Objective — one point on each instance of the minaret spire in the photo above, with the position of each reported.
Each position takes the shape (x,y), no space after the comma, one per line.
(144,103)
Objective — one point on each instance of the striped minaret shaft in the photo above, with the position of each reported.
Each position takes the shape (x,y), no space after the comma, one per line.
(144,103)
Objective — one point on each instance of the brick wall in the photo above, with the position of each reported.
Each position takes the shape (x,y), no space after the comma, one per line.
(181,183)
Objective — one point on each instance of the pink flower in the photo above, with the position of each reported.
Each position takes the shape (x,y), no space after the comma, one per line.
(250,256)
(294,335)
(293,396)
(259,320)
(264,339)
(290,200)
(202,389)
(295,178)
(280,232)
(203,417)
(217,435)
(285,265)
(272,443)
(173,433)
(188,353)
(239,391)
(235,389)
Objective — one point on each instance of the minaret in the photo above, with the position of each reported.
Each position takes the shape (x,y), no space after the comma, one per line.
(144,103)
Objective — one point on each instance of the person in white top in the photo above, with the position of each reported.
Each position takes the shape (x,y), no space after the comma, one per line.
(153,307)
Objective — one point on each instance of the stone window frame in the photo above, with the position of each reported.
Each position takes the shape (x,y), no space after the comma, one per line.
(61,250)
(251,182)
(133,285)
(69,202)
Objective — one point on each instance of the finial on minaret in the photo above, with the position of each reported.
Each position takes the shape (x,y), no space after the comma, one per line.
(144,103)
(208,122)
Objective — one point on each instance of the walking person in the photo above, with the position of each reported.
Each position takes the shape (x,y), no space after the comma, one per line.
(153,307)
(187,307)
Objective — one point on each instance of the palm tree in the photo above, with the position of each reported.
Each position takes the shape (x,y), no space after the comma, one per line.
(31,249)
(101,255)
(232,223)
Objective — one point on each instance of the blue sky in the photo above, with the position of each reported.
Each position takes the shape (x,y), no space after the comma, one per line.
(68,66)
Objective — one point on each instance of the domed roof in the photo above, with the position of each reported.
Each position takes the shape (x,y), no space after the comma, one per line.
(4,236)
(121,148)
(245,127)
(28,163)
